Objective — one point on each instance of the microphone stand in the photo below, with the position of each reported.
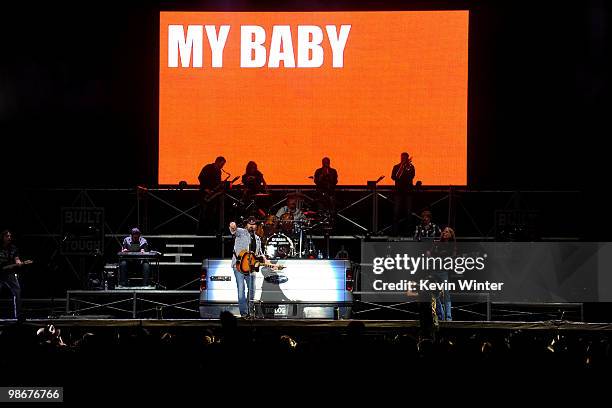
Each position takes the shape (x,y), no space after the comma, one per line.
(52,266)
(373,184)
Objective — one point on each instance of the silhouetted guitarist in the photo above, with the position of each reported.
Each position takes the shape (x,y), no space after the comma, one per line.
(211,187)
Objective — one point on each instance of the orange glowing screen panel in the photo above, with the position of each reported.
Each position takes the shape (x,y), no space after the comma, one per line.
(286,89)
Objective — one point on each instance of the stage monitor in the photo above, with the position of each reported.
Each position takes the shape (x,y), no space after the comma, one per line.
(285,89)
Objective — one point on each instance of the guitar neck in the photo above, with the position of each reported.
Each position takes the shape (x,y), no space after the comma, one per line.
(271,265)
(13,266)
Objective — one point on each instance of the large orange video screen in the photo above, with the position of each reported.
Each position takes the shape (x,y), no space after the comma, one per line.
(285,89)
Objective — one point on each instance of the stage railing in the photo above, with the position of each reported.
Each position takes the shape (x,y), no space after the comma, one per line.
(360,210)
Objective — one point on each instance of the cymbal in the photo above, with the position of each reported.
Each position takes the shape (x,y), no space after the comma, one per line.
(309,212)
(262,195)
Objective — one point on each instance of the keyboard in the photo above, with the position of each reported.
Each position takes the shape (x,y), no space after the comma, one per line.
(139,255)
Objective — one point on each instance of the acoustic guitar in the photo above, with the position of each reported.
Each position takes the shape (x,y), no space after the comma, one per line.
(249,262)
(9,268)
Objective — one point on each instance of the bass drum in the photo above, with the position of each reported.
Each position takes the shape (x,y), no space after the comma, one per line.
(279,246)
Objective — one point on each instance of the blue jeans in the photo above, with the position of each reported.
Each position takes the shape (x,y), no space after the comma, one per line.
(12,283)
(443,306)
(241,279)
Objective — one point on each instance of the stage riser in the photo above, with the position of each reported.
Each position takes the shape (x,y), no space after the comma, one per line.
(283,311)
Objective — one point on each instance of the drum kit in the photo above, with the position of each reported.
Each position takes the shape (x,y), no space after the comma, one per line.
(287,236)
(282,237)
(290,237)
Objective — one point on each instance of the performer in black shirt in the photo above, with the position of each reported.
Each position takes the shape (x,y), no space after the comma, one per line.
(325,177)
(254,189)
(9,257)
(403,175)
(210,188)
(210,176)
(253,179)
(426,230)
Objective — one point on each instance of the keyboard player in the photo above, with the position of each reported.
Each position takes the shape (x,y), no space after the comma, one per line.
(134,242)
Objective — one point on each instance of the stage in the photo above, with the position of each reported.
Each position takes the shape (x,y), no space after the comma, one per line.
(211,200)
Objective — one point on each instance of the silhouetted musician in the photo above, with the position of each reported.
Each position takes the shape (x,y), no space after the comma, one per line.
(403,175)
(325,177)
(253,179)
(211,186)
(254,194)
